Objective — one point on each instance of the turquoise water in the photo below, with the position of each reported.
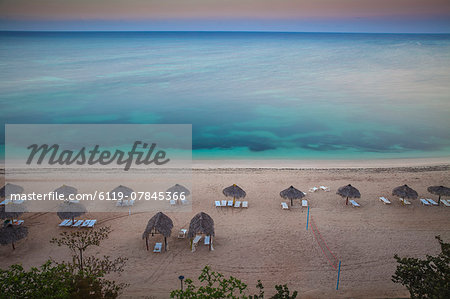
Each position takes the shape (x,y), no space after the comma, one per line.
(248,95)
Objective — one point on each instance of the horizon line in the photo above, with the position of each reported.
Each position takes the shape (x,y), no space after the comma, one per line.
(225,31)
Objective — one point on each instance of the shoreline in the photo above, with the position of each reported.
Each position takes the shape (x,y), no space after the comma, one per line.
(441,162)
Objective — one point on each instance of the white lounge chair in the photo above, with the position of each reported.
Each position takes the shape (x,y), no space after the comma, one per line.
(432,202)
(207,239)
(385,200)
(237,204)
(17,222)
(173,202)
(92,223)
(125,203)
(158,247)
(131,202)
(313,189)
(446,202)
(86,223)
(64,222)
(184,202)
(223,203)
(230,203)
(182,233)
(324,188)
(354,203)
(119,203)
(196,239)
(245,204)
(78,223)
(424,202)
(405,201)
(284,206)
(304,203)
(217,203)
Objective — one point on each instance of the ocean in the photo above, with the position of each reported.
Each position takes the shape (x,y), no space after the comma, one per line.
(247,95)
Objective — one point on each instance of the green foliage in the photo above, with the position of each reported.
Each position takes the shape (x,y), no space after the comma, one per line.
(78,241)
(48,281)
(81,278)
(215,285)
(428,278)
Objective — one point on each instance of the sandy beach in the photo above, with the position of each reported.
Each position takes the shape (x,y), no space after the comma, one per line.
(267,243)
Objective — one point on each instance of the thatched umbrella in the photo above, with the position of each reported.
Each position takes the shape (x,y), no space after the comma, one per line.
(12,210)
(235,191)
(202,223)
(9,189)
(12,233)
(348,191)
(292,193)
(66,190)
(405,192)
(125,191)
(177,188)
(159,224)
(440,191)
(70,210)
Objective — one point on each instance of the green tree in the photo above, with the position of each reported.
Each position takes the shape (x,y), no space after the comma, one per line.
(215,285)
(78,241)
(425,278)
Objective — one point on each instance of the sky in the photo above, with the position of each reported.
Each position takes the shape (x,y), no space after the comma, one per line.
(391,16)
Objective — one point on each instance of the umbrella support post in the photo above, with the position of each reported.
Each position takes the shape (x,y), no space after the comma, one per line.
(146,242)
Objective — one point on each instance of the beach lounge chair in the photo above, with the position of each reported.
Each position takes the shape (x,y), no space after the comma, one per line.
(17,222)
(284,206)
(445,202)
(78,223)
(304,203)
(313,189)
(86,223)
(196,239)
(184,201)
(324,188)
(119,203)
(432,202)
(158,247)
(223,203)
(92,223)
(64,222)
(354,203)
(405,201)
(182,233)
(230,203)
(424,202)
(237,204)
(217,203)
(131,202)
(207,239)
(245,204)
(173,202)
(385,200)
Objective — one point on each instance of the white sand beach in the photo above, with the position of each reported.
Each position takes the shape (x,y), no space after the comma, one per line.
(268,243)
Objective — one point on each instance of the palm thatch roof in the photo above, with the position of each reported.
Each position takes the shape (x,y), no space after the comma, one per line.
(439,190)
(12,233)
(70,210)
(125,191)
(234,191)
(177,188)
(9,189)
(161,223)
(12,210)
(66,190)
(348,191)
(405,192)
(202,223)
(292,193)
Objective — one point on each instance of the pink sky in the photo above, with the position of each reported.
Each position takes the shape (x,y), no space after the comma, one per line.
(226,10)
